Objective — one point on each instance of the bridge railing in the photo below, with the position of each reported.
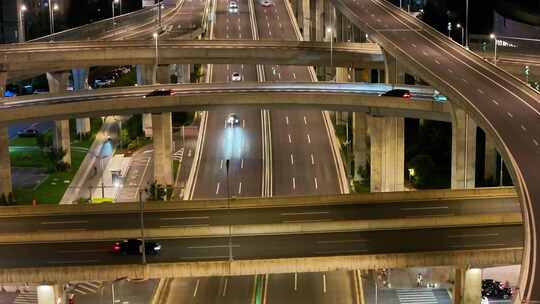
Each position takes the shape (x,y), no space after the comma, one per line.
(96,29)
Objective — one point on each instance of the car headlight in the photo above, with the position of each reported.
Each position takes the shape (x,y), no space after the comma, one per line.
(157,247)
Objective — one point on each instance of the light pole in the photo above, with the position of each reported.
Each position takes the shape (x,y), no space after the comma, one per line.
(494,38)
(467,24)
(449,28)
(156,36)
(462,33)
(22,31)
(330,33)
(227,163)
(160,7)
(113,4)
(52,8)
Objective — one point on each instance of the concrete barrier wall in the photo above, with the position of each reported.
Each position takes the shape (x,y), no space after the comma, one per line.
(463,258)
(443,196)
(268,229)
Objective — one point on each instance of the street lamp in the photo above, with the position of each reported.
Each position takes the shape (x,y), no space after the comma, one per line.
(494,38)
(330,32)
(113,4)
(467,24)
(52,8)
(227,164)
(156,36)
(22,31)
(160,7)
(462,33)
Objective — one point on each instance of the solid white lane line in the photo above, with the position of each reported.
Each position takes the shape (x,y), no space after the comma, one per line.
(475,235)
(242,164)
(212,246)
(464,80)
(324,282)
(423,208)
(217,188)
(413,45)
(294,75)
(240,188)
(287,120)
(305,120)
(184,226)
(295,281)
(308,138)
(312,159)
(535,142)
(476,245)
(290,140)
(437,61)
(293,183)
(196,287)
(292,159)
(304,213)
(342,241)
(316,184)
(184,218)
(83,250)
(225,287)
(450,71)
(64,222)
(340,251)
(221,164)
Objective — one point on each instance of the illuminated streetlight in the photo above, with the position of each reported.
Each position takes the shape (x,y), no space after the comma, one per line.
(330,32)
(113,4)
(22,31)
(462,33)
(156,36)
(494,38)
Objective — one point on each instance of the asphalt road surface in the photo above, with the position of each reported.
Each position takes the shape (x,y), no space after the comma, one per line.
(268,246)
(258,215)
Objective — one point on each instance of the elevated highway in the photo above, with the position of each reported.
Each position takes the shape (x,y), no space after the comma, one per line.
(354,97)
(506,108)
(20,59)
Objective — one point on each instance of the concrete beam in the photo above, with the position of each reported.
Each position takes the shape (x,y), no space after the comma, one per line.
(5,163)
(472,286)
(387,153)
(489,257)
(463,150)
(162,134)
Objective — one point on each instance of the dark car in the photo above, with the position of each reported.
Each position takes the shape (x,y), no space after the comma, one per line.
(30,132)
(134,247)
(398,93)
(492,289)
(164,92)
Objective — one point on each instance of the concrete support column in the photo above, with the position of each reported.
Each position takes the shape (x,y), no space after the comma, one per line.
(184,73)
(58,83)
(49,294)
(360,140)
(463,150)
(490,159)
(319,22)
(80,83)
(163,74)
(5,163)
(387,153)
(304,18)
(394,73)
(146,75)
(61,139)
(472,286)
(162,130)
(342,75)
(457,291)
(3,80)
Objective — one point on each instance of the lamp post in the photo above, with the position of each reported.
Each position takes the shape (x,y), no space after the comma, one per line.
(22,31)
(467,24)
(330,32)
(494,38)
(449,28)
(113,4)
(462,33)
(52,8)
(156,36)
(160,7)
(227,163)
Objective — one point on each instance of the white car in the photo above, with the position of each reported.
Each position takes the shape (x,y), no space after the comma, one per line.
(232,120)
(266,3)
(233,7)
(236,76)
